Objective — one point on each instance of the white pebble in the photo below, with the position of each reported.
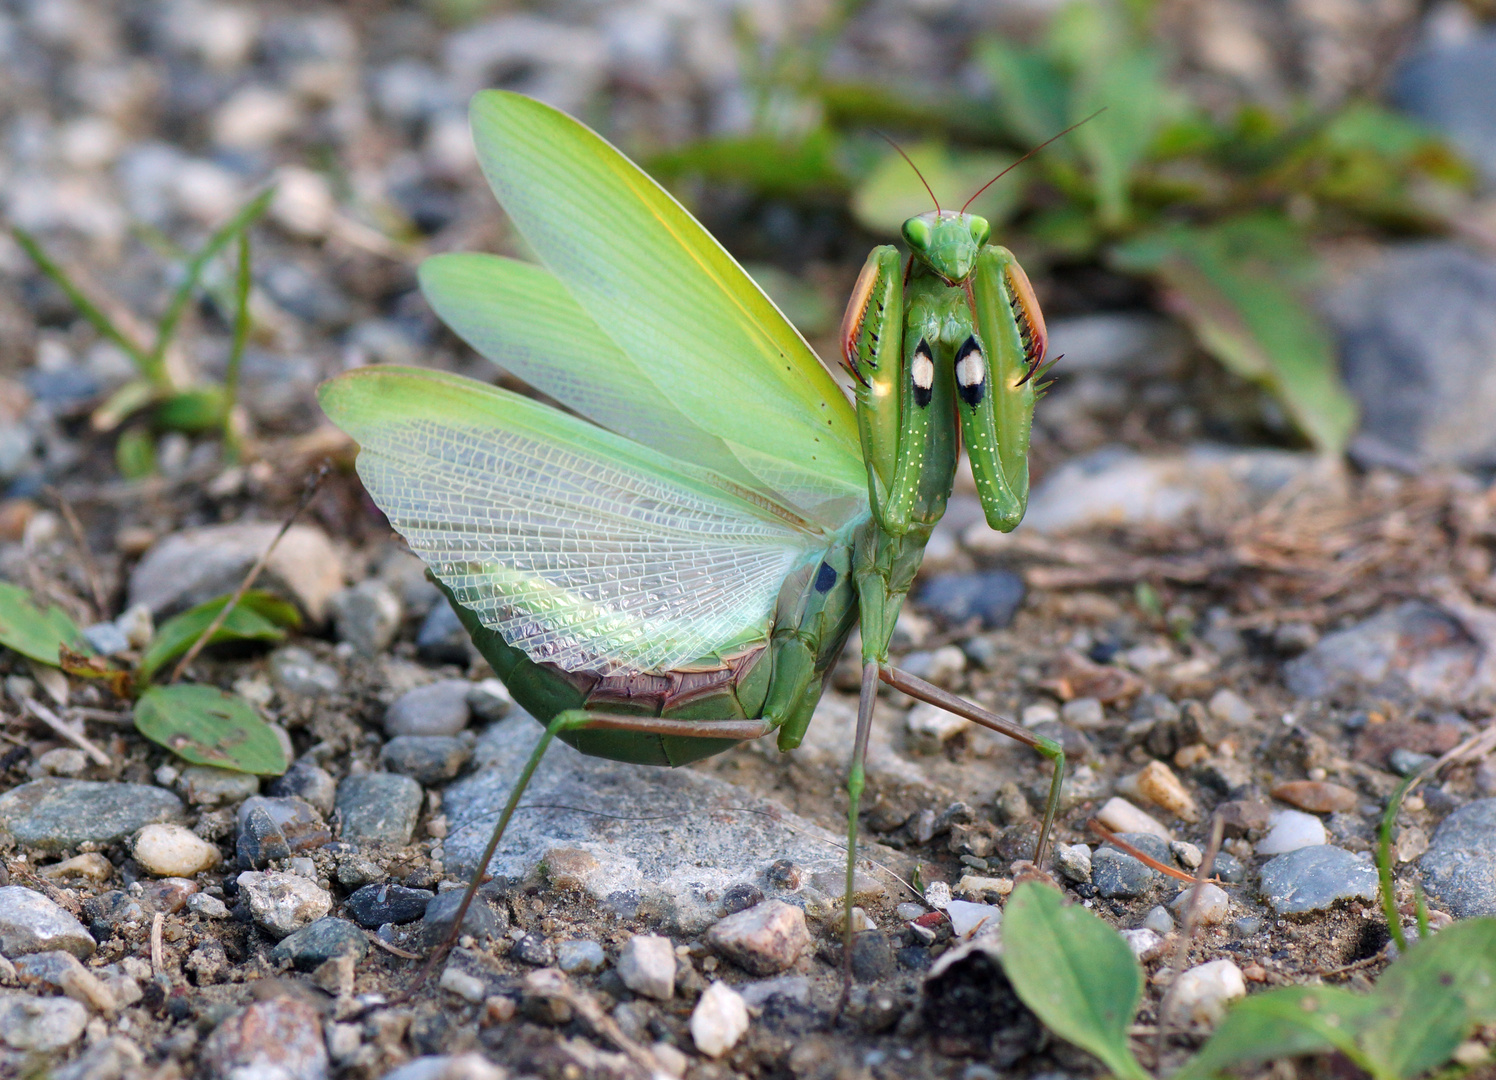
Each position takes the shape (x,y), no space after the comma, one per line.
(1289,830)
(719,1020)
(1158,920)
(1121,816)
(967,919)
(1202,993)
(1188,854)
(1143,942)
(1156,783)
(1084,713)
(931,726)
(1074,861)
(1228,707)
(1040,712)
(646,964)
(1211,907)
(466,986)
(938,895)
(173,851)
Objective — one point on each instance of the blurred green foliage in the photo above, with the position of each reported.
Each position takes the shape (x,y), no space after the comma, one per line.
(1220,216)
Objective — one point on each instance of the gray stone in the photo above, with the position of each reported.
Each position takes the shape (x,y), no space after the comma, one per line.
(282,903)
(677,869)
(309,781)
(1414,650)
(380,807)
(442,639)
(31,923)
(646,964)
(375,905)
(482,921)
(1460,865)
(1229,868)
(1417,334)
(469,1066)
(52,813)
(1406,762)
(427,759)
(1451,86)
(111,1059)
(580,957)
(1314,878)
(301,674)
(196,565)
(43,1025)
(490,700)
(106,639)
(533,949)
(1118,875)
(277,828)
(991,596)
(367,616)
(206,785)
(319,942)
(439,708)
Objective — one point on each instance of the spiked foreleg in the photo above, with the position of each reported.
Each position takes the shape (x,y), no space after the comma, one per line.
(872,334)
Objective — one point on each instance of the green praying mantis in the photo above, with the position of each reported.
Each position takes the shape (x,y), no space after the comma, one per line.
(681,573)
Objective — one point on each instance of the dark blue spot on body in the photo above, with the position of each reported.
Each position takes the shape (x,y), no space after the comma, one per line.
(825,578)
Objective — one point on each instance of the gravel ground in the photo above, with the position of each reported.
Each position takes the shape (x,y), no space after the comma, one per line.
(1241,634)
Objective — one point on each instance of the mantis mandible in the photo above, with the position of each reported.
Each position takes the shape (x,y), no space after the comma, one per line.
(680,574)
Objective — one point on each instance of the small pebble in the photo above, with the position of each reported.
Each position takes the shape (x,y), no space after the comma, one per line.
(426,759)
(173,851)
(308,781)
(977,887)
(578,956)
(1118,875)
(1201,994)
(967,919)
(466,986)
(379,807)
(481,922)
(741,897)
(931,727)
(1228,707)
(1157,784)
(533,949)
(646,964)
(1158,920)
(1041,712)
(938,895)
(764,940)
(1314,878)
(489,700)
(1121,816)
(62,761)
(90,865)
(1317,796)
(31,923)
(719,1020)
(375,905)
(1459,867)
(1085,713)
(208,907)
(1406,762)
(468,1066)
(205,785)
(40,1025)
(1186,854)
(1211,907)
(1074,862)
(440,708)
(1144,943)
(316,943)
(909,911)
(1289,830)
(282,903)
(1246,926)
(298,673)
(367,616)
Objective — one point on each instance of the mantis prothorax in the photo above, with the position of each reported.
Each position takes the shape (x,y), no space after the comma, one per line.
(681,573)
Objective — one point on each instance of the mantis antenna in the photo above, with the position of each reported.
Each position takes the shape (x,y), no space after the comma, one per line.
(915,167)
(1021,160)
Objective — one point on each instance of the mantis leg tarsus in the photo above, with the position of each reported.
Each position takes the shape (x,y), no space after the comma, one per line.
(576,720)
(916,687)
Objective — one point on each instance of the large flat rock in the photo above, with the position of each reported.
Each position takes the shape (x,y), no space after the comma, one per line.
(53,813)
(667,842)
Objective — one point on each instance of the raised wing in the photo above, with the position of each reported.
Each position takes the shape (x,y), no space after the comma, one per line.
(579,546)
(706,338)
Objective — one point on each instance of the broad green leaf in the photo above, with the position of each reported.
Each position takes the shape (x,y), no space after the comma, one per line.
(580,547)
(195,410)
(205,726)
(892,192)
(259,616)
(1432,997)
(35,633)
(1286,1022)
(666,292)
(1075,973)
(1234,283)
(802,303)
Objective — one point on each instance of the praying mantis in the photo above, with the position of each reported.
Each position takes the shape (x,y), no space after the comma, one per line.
(677,568)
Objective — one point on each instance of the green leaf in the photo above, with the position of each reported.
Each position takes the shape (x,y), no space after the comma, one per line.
(118,407)
(1432,997)
(259,616)
(205,726)
(801,302)
(1238,285)
(199,409)
(768,165)
(1075,973)
(1286,1022)
(135,453)
(892,193)
(35,633)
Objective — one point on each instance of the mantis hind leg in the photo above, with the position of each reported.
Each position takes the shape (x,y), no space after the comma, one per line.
(577,720)
(856,777)
(916,687)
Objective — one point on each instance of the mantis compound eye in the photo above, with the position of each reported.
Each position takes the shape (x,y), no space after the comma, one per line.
(981,229)
(917,233)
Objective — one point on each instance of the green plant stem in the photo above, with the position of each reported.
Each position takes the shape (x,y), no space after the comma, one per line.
(148,365)
(166,328)
(236,352)
(1384,861)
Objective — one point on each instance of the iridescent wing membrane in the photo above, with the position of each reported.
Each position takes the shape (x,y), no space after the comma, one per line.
(729,457)
(580,547)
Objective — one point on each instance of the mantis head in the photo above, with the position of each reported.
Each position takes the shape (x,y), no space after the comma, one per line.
(947,242)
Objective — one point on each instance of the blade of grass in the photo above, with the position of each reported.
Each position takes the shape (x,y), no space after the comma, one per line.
(166,328)
(242,282)
(95,315)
